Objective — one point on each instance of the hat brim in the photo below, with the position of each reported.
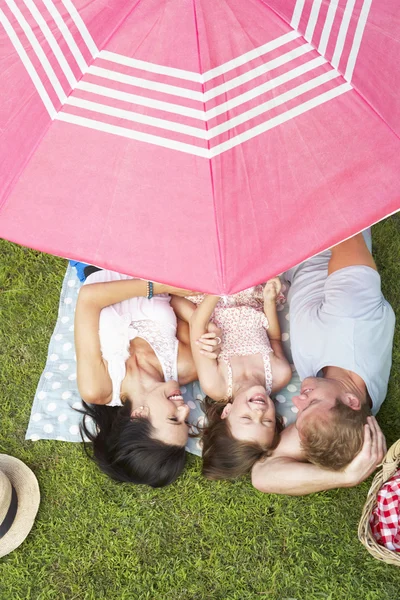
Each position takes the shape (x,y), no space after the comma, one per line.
(28,493)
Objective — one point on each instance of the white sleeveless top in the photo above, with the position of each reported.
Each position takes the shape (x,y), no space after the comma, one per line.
(152,320)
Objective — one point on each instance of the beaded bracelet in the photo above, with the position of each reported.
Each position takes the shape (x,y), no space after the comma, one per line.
(150,292)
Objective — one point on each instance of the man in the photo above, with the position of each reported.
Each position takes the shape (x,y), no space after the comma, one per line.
(341,337)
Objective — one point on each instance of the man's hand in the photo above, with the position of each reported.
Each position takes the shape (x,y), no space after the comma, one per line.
(210,342)
(370,456)
(272,290)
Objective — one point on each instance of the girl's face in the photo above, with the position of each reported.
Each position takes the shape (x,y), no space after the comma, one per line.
(251,416)
(167,412)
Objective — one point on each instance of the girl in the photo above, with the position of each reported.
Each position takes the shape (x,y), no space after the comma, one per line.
(242,425)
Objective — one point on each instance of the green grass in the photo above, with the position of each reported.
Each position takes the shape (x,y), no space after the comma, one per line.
(95,539)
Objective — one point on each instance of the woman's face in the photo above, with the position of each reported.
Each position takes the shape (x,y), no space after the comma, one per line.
(167,412)
(251,416)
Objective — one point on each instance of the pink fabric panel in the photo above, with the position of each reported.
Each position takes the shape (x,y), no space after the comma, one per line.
(21,110)
(135,208)
(309,184)
(377,70)
(372,37)
(162,32)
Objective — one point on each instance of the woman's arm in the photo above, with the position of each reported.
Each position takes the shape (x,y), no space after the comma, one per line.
(100,295)
(211,380)
(93,380)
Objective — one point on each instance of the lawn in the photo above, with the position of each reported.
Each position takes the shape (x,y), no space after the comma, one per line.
(96,539)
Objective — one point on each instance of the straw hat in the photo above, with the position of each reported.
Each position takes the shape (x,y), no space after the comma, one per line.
(19,502)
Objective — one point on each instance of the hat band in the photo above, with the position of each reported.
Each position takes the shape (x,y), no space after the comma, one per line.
(10,516)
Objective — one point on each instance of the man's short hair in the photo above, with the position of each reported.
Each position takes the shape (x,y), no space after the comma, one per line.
(333,442)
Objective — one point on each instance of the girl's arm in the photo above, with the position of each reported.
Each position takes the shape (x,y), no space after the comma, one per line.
(211,380)
(282,372)
(183,308)
(271,292)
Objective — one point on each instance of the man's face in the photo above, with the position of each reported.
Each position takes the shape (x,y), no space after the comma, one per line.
(317,396)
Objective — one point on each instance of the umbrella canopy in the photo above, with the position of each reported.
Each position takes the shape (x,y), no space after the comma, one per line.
(209,144)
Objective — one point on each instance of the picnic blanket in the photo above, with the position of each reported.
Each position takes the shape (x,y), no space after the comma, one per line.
(54,415)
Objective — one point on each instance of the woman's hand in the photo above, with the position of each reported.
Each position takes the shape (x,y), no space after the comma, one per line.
(162,288)
(210,342)
(272,290)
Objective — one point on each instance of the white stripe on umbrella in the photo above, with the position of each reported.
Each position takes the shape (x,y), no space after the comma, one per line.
(282,118)
(141,100)
(196,131)
(341,38)
(134,135)
(357,39)
(205,134)
(216,150)
(326,32)
(52,42)
(312,21)
(144,65)
(201,96)
(147,84)
(77,19)
(197,113)
(265,87)
(41,90)
(207,75)
(257,71)
(71,43)
(298,9)
(273,103)
(38,50)
(135,117)
(251,55)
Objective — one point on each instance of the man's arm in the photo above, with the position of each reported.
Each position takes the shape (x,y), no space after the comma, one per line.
(285,475)
(350,253)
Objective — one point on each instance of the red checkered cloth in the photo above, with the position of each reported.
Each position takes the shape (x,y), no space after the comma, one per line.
(385,518)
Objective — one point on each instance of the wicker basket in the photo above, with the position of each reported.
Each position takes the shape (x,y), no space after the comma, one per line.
(390,464)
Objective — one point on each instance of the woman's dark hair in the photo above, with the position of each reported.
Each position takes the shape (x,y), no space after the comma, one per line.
(224,457)
(124,449)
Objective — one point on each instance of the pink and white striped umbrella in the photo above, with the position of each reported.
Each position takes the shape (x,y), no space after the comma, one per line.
(209,144)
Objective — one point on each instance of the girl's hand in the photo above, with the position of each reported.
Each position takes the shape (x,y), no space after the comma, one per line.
(272,290)
(210,342)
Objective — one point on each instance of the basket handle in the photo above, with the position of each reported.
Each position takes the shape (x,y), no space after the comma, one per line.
(391,461)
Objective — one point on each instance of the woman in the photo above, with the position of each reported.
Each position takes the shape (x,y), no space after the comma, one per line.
(241,422)
(132,356)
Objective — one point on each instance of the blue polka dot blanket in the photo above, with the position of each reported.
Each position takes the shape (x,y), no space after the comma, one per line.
(54,415)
